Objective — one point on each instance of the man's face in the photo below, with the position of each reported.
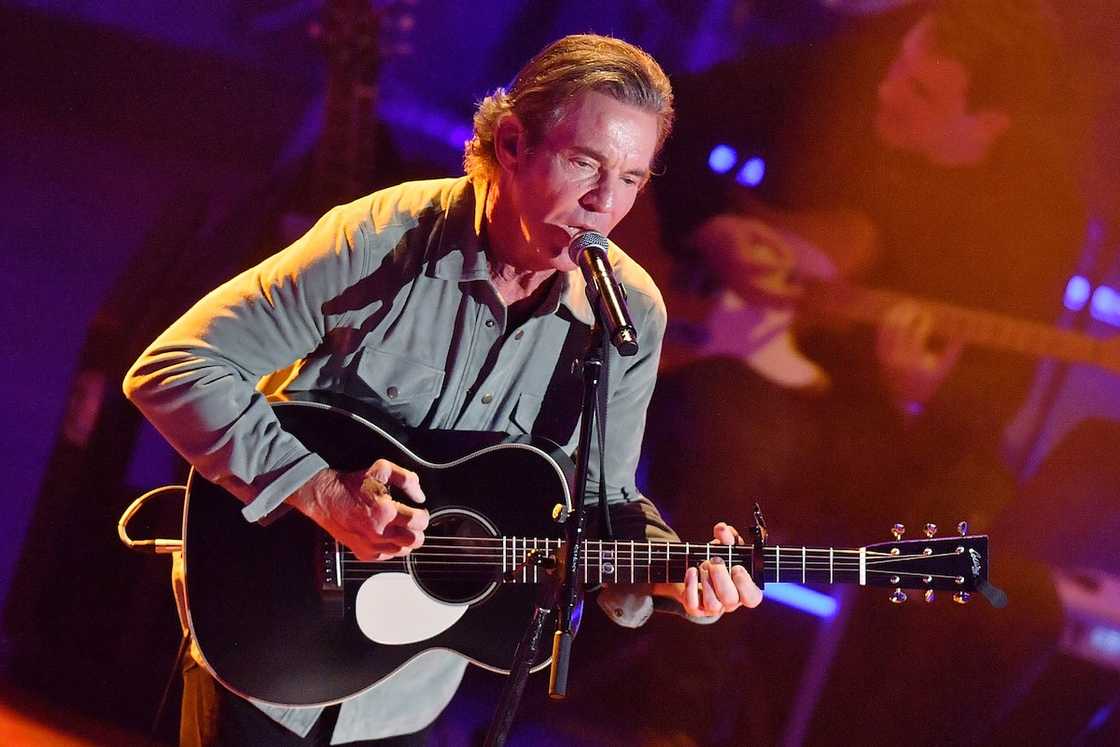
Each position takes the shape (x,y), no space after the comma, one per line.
(923,99)
(584,174)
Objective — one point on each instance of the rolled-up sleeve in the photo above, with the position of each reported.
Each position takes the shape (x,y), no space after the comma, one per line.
(197,382)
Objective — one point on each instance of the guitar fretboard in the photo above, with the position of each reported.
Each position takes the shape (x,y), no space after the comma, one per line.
(527,559)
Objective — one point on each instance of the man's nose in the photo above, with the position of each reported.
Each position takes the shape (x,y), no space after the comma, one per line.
(600,199)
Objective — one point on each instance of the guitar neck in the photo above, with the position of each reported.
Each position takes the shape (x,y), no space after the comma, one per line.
(943,563)
(983,328)
(625,561)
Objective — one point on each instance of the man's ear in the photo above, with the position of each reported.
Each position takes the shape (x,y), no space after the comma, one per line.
(508,141)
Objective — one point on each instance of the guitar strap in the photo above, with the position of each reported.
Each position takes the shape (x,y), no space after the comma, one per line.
(560,409)
(559,413)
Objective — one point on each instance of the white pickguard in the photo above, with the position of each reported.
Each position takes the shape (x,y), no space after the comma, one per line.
(393,610)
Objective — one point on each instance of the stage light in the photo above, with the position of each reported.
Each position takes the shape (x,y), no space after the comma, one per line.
(752,173)
(1078,291)
(1105,306)
(1107,641)
(722,159)
(802,598)
(430,121)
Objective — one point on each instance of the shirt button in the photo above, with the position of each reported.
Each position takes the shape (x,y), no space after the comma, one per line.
(519,335)
(392,392)
(487,398)
(489,322)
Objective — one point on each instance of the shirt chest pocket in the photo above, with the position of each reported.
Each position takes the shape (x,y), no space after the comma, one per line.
(403,387)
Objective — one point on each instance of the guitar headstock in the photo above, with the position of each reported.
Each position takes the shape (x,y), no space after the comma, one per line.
(957,564)
(359,34)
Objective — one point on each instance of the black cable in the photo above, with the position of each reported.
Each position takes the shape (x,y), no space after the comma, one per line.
(153,736)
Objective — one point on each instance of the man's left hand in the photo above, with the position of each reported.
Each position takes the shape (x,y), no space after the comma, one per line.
(713,588)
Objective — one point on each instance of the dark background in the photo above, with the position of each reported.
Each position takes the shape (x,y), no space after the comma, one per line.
(146,147)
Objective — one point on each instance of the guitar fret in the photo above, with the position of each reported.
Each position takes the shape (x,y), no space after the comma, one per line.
(631,561)
(600,561)
(777,564)
(803,564)
(666,561)
(863,566)
(649,562)
(524,559)
(616,559)
(338,560)
(830,566)
(535,563)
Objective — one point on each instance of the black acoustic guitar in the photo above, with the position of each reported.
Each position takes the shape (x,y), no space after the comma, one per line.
(287,615)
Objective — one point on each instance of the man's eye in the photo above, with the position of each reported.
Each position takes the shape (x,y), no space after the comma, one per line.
(583,164)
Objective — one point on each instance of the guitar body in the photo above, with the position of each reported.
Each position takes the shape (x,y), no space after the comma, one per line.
(280,618)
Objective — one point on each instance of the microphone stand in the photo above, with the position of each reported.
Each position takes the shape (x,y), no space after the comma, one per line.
(563,590)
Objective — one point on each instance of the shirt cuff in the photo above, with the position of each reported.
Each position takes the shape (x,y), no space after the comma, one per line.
(282,486)
(673,607)
(627,608)
(631,609)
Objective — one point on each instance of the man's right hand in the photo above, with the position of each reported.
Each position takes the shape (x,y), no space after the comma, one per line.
(357,510)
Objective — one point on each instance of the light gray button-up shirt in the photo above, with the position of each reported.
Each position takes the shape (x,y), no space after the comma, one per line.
(389,299)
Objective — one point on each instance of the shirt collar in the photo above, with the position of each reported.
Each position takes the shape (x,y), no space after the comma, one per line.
(458,248)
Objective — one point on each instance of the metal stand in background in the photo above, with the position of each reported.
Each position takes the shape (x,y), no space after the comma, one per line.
(564,591)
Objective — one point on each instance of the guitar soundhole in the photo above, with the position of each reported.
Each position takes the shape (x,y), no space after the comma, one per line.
(459,562)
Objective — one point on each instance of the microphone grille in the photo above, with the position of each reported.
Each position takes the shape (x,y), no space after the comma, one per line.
(586,240)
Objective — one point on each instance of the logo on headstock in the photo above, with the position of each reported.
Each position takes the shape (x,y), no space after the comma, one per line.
(975,561)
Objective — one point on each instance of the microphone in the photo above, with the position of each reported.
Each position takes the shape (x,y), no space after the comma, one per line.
(589,250)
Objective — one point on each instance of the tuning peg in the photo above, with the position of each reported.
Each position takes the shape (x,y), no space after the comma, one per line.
(930,596)
(898,530)
(898,596)
(962,597)
(963,528)
(931,529)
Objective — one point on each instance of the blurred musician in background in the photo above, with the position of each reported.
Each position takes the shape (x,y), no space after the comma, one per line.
(920,152)
(923,151)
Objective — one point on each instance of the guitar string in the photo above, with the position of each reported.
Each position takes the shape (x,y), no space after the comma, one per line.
(519,576)
(623,548)
(626,558)
(514,559)
(469,567)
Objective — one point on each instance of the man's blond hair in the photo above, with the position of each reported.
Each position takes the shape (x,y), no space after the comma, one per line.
(563,70)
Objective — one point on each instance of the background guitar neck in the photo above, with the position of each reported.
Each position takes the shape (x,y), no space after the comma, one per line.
(976,327)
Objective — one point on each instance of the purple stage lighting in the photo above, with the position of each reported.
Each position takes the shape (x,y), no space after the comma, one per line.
(752,172)
(722,159)
(1105,306)
(802,598)
(1078,291)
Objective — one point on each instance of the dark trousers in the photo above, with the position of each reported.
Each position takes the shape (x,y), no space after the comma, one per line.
(212,716)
